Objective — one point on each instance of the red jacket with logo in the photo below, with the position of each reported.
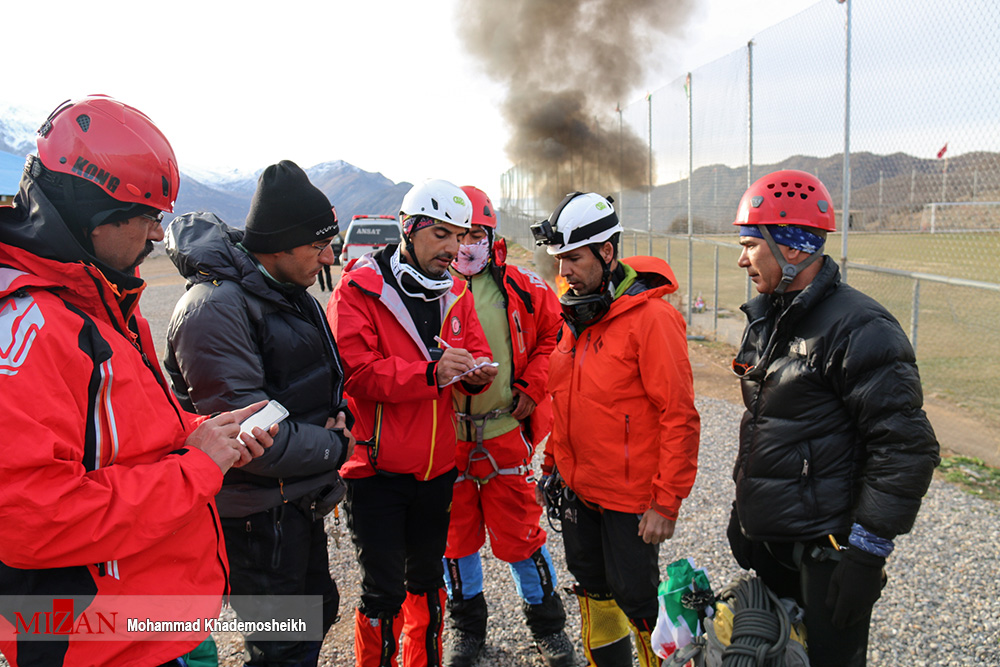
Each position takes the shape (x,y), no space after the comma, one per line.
(534,318)
(390,377)
(626,430)
(99,496)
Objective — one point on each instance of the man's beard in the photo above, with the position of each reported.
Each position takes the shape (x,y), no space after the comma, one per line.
(138,260)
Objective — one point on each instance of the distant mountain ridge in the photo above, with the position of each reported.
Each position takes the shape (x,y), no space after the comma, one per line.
(350,189)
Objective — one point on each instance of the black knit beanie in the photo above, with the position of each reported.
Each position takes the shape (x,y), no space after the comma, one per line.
(287,211)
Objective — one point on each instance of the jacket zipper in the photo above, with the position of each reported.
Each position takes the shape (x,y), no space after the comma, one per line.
(583,356)
(627,478)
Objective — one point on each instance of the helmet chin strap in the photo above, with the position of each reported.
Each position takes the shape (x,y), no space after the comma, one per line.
(414,282)
(411,259)
(788,270)
(605,267)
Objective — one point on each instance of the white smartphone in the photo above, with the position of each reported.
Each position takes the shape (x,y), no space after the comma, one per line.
(458,377)
(265,418)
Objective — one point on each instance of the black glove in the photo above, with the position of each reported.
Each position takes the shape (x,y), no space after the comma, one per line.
(739,544)
(855,585)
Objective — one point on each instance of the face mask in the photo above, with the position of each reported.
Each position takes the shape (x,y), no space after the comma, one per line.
(472,258)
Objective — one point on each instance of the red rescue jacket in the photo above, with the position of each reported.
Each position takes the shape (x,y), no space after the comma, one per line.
(534,319)
(99,496)
(626,430)
(390,377)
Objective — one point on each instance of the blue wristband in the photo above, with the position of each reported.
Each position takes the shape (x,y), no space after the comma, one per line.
(869,542)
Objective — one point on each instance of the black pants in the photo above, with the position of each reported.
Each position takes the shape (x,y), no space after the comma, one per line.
(399,527)
(808,585)
(606,556)
(324,272)
(282,551)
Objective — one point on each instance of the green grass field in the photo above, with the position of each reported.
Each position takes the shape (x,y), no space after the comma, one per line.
(958,328)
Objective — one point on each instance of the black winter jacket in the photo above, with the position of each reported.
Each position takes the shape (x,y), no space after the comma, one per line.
(236,337)
(834,431)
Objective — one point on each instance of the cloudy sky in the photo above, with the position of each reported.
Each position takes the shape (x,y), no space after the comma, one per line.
(385,84)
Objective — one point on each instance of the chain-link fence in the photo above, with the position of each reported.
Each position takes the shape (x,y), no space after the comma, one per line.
(910,91)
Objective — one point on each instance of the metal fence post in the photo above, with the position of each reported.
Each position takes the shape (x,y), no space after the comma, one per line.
(880,197)
(715,298)
(649,197)
(915,317)
(690,304)
(749,114)
(621,169)
(846,208)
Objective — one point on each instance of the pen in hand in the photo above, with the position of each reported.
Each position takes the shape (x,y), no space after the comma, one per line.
(442,342)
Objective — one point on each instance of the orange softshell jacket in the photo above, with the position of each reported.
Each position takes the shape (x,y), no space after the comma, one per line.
(626,429)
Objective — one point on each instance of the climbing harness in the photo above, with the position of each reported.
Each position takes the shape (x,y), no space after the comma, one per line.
(480,453)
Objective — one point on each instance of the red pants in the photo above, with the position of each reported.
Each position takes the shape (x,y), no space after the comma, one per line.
(505,505)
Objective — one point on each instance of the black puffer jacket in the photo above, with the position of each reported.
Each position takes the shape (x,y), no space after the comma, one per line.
(237,337)
(834,430)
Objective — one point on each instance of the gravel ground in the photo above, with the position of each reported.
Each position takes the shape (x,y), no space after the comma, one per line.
(940,607)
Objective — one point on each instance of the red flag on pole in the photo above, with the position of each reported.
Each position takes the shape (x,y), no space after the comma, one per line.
(943,150)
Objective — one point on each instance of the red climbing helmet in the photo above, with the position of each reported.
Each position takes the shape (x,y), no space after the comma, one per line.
(114,146)
(787,197)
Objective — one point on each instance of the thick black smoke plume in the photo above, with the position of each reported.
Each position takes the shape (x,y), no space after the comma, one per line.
(567,64)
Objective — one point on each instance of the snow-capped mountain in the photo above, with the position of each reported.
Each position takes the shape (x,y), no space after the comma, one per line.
(17,129)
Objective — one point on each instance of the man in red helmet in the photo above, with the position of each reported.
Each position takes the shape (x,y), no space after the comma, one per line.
(835,451)
(498,431)
(108,485)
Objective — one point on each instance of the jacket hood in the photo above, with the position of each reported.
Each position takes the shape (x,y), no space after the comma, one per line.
(203,248)
(42,245)
(654,280)
(35,225)
(365,272)
(654,272)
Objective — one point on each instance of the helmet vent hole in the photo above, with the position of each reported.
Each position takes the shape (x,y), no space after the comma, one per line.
(791,194)
(83,120)
(166,186)
(803,195)
(770,186)
(812,189)
(435,204)
(777,194)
